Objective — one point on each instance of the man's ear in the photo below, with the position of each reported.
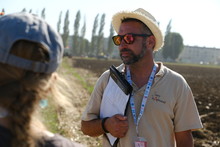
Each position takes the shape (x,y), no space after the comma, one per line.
(151,41)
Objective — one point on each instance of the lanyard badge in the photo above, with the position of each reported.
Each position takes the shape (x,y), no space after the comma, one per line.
(140,142)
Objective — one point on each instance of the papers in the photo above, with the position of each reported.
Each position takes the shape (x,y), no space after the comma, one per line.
(114,101)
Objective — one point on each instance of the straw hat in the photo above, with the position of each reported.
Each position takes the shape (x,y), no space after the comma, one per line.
(143,16)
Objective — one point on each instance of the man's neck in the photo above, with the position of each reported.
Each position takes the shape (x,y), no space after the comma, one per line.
(140,72)
(142,69)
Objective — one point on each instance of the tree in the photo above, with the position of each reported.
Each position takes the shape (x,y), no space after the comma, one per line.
(24,10)
(94,37)
(43,13)
(173,45)
(168,30)
(82,40)
(66,30)
(59,22)
(75,47)
(110,42)
(100,43)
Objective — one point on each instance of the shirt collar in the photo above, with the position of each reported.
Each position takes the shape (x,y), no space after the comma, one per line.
(161,71)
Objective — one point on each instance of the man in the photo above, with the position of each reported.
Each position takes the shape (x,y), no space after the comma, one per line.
(161,110)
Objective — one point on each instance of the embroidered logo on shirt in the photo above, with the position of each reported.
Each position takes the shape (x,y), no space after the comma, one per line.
(157,98)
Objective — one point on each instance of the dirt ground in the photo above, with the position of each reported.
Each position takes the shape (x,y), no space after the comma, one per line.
(203,81)
(69,122)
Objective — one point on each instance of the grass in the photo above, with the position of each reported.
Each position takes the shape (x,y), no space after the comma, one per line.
(50,118)
(49,113)
(71,71)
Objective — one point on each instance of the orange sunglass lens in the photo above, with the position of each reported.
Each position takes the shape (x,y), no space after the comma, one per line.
(117,40)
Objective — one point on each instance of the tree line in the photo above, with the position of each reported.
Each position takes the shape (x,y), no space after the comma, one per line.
(78,45)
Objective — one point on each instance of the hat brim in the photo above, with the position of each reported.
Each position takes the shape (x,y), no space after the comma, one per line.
(118,17)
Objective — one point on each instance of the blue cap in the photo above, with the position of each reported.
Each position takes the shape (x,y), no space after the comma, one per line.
(26,26)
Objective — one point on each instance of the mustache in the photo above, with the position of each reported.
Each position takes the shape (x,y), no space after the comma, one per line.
(125,50)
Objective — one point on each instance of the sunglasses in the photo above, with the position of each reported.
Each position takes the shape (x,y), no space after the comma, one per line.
(128,38)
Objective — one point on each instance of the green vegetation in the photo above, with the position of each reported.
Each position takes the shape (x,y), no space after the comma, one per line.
(49,113)
(71,71)
(173,44)
(66,30)
(50,118)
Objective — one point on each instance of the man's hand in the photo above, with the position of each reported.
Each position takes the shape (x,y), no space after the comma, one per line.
(117,125)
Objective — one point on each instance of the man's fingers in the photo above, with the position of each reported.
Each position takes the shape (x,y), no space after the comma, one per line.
(120,117)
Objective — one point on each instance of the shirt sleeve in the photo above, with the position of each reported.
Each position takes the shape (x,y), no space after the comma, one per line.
(185,110)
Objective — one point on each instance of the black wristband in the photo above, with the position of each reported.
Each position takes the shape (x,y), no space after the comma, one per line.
(103,124)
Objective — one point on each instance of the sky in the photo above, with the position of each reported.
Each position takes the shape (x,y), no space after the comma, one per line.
(197,21)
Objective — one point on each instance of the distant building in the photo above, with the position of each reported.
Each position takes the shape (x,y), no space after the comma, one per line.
(200,55)
(194,55)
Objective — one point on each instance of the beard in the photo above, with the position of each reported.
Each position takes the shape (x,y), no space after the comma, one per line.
(132,58)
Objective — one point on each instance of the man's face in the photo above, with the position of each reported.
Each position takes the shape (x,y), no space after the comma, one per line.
(132,53)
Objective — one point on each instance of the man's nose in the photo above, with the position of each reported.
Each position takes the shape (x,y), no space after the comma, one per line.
(122,45)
